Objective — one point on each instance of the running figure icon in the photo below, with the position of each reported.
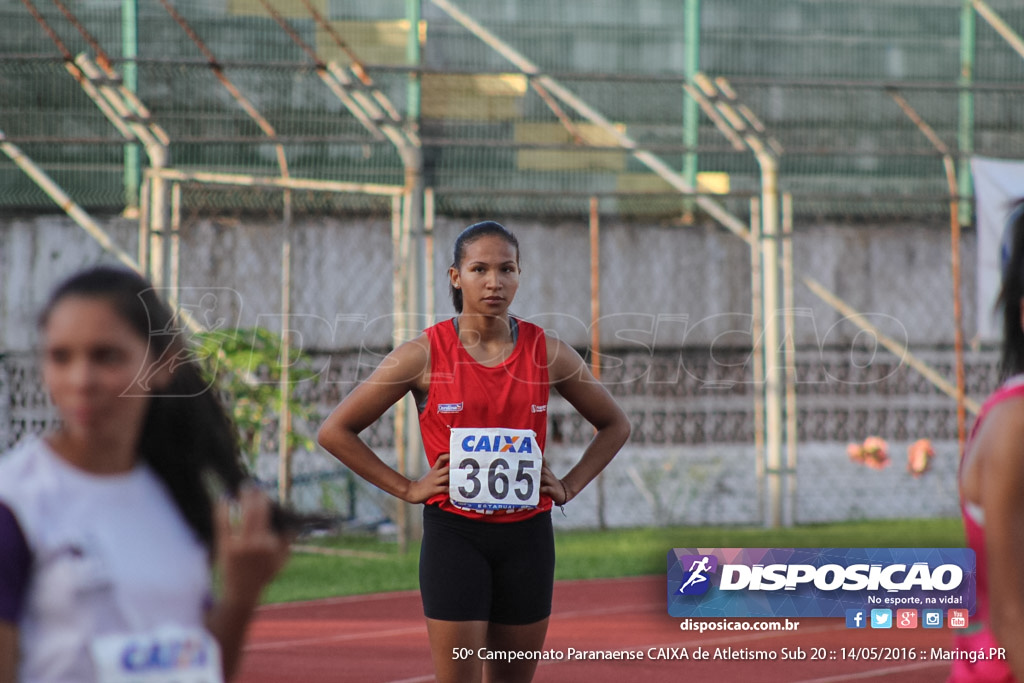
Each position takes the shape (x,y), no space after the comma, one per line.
(697,571)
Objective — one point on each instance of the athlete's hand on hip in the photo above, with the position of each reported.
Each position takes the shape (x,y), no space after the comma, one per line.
(552,486)
(433,483)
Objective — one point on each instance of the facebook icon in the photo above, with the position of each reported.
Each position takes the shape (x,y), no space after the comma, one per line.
(856,618)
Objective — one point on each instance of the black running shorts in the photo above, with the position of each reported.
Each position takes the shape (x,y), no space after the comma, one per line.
(472,570)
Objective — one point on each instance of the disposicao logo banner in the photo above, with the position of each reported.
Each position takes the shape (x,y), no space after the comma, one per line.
(816,582)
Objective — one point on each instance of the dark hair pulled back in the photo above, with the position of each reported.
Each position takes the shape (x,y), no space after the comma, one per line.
(1012,361)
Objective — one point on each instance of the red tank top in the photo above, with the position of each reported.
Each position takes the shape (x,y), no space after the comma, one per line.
(465,393)
(978,635)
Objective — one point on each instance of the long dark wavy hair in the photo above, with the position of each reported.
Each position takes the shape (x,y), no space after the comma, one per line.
(470,235)
(187,435)
(1012,361)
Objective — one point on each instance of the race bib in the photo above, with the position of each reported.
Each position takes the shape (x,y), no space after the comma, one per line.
(167,655)
(494,469)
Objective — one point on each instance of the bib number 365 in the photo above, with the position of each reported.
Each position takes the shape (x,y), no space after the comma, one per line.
(494,469)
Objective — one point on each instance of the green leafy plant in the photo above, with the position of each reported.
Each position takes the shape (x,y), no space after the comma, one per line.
(247,365)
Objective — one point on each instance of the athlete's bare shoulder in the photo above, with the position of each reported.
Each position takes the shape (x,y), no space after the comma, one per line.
(563,360)
(413,359)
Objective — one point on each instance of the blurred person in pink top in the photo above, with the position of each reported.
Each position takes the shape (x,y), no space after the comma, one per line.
(991,481)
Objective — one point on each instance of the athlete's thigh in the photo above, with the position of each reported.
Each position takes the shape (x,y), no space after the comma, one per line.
(524,574)
(511,643)
(455,647)
(455,575)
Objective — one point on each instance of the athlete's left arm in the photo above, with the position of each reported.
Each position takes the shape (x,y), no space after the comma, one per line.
(249,554)
(572,379)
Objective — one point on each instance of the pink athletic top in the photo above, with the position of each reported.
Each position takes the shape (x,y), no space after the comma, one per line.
(978,636)
(465,393)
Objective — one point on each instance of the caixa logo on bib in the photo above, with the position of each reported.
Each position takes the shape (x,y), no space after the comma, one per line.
(494,468)
(169,654)
(822,582)
(497,443)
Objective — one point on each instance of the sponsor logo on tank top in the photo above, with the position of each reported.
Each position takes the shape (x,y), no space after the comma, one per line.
(449,408)
(534,408)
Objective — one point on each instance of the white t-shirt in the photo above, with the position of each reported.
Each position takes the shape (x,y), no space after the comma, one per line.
(110,555)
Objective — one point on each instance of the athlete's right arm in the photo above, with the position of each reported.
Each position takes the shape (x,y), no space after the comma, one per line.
(404,369)
(1001,479)
(15,570)
(8,651)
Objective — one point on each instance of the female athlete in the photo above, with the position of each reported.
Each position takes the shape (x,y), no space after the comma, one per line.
(107,531)
(481,381)
(991,479)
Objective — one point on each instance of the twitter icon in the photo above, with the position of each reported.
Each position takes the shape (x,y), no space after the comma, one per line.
(881,618)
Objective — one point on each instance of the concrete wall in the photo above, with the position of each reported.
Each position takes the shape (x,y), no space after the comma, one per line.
(660,286)
(691,456)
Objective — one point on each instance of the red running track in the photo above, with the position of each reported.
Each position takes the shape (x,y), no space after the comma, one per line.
(382,639)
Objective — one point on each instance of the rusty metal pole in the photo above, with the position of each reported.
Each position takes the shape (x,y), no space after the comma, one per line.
(595,329)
